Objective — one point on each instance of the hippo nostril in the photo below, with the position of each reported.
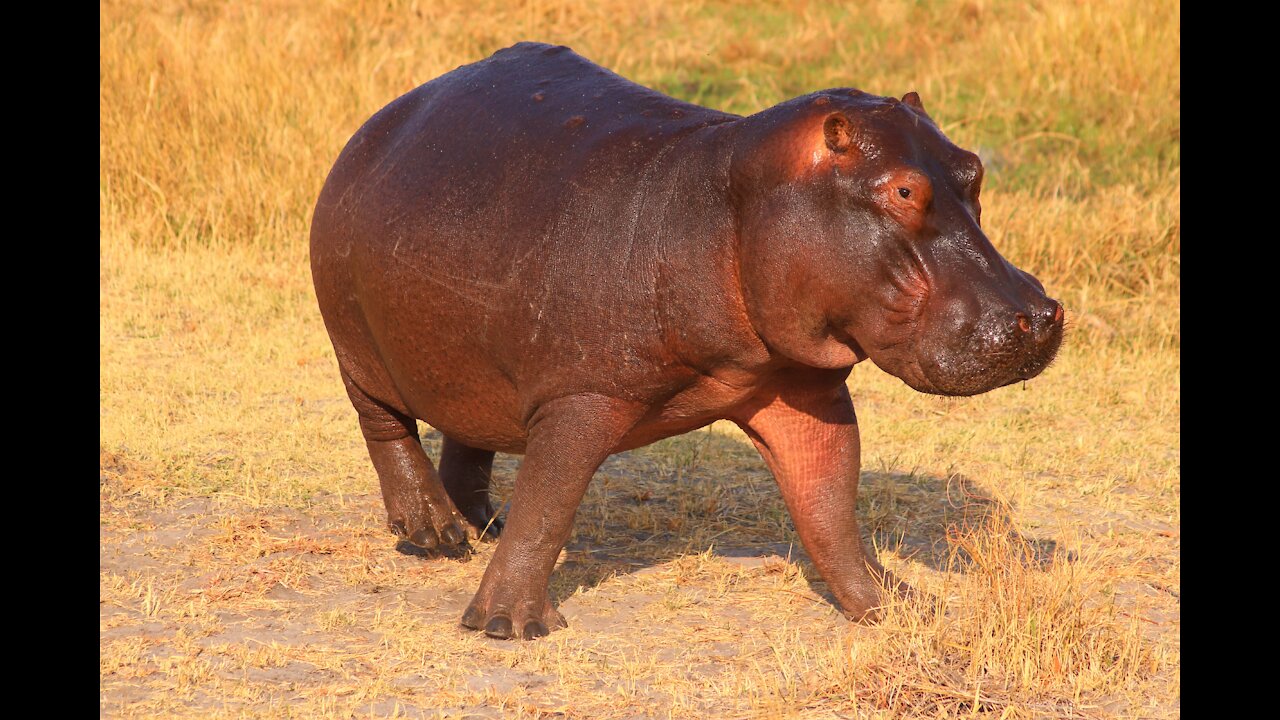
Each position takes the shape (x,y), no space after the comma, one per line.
(1023,324)
(1057,314)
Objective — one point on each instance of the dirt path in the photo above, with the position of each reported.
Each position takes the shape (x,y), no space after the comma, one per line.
(678,590)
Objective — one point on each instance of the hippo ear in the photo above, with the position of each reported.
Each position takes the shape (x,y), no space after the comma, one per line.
(839,132)
(913,99)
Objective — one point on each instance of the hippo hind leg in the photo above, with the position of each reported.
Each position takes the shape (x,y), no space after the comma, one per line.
(418,507)
(466,472)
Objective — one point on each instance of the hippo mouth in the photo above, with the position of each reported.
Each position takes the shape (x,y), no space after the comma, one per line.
(890,357)
(973,373)
(979,365)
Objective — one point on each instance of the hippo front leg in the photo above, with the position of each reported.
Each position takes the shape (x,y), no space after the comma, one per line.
(568,439)
(808,435)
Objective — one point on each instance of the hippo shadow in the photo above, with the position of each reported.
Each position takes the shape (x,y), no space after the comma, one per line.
(707,491)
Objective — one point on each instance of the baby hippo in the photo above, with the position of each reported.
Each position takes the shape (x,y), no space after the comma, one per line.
(535,255)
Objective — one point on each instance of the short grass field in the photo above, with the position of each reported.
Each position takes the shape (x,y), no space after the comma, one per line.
(245,565)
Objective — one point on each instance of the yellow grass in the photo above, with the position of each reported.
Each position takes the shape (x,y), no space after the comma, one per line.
(245,565)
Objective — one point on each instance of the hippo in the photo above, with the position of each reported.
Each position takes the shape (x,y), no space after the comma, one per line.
(534,255)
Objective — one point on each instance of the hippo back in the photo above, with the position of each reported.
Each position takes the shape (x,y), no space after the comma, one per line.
(488,216)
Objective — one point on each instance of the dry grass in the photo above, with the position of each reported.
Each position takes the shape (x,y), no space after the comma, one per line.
(245,570)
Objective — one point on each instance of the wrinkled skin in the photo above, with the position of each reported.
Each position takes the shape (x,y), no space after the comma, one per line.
(534,255)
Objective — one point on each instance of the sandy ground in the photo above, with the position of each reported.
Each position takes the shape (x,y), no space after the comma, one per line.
(211,606)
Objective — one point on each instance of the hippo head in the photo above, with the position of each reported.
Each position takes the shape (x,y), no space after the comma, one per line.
(859,231)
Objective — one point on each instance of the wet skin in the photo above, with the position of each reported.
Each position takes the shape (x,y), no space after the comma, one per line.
(535,255)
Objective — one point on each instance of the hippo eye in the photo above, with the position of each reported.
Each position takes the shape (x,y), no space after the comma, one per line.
(905,195)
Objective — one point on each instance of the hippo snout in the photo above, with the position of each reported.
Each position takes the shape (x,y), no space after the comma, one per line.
(1038,322)
(1036,334)
(1009,342)
(1041,326)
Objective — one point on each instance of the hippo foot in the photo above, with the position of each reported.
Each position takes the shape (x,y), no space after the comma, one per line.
(507,618)
(483,524)
(865,603)
(446,538)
